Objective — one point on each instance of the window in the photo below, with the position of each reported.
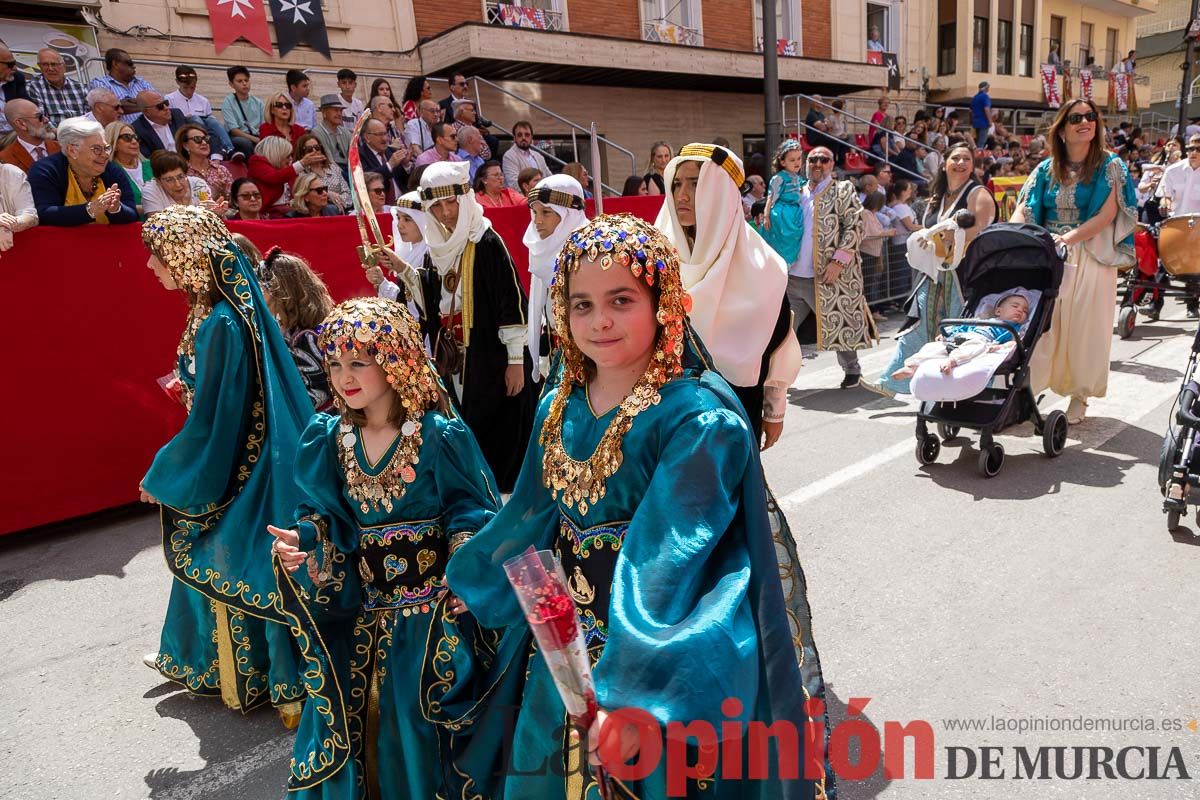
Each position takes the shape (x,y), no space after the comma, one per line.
(1004,47)
(1025,57)
(787,21)
(1056,37)
(979,51)
(878,19)
(672,21)
(1111,56)
(947,48)
(1086,56)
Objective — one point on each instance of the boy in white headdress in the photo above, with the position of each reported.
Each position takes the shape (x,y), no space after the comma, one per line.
(408,259)
(555,210)
(475,319)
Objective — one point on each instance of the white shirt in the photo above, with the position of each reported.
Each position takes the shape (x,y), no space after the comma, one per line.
(16,198)
(351,110)
(416,131)
(196,106)
(803,267)
(305,113)
(29,148)
(1181,183)
(155,198)
(164,135)
(4,126)
(896,213)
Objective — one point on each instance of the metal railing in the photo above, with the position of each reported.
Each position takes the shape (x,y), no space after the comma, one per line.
(1161,26)
(792,101)
(575,128)
(887,277)
(514,15)
(666,32)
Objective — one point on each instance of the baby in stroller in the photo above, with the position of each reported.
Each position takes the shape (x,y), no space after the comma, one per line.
(962,343)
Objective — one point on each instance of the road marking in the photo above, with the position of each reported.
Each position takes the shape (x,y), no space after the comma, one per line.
(795,499)
(215,777)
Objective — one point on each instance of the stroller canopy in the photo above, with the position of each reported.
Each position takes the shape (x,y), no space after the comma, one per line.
(1007,255)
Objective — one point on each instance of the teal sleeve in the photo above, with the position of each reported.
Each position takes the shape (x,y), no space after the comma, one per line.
(529,518)
(466,489)
(682,635)
(195,468)
(1032,194)
(319,478)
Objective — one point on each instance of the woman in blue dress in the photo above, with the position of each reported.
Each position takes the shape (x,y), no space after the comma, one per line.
(393,484)
(226,473)
(1082,194)
(783,220)
(644,481)
(954,190)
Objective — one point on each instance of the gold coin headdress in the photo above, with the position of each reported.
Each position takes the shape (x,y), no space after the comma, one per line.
(185,238)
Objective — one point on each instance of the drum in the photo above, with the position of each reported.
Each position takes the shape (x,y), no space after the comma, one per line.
(1179,244)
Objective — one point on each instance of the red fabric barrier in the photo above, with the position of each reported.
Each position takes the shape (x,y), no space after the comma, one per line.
(86,412)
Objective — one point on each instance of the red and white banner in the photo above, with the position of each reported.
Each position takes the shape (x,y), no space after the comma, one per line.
(1050,85)
(522,17)
(239,19)
(1085,84)
(1118,92)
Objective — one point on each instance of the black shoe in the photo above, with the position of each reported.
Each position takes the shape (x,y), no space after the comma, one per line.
(850,381)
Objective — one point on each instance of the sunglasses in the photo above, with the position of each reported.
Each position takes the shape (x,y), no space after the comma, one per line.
(162,106)
(312,148)
(250,196)
(377,190)
(127,137)
(281,105)
(9,64)
(319,189)
(199,139)
(1075,119)
(1193,148)
(819,159)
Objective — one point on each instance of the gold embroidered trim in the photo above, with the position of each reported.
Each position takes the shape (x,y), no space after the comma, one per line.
(719,156)
(555,198)
(376,491)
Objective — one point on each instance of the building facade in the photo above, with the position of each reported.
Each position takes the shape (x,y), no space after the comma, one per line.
(1160,47)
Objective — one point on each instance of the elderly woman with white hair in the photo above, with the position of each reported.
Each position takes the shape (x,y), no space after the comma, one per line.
(273,171)
(80,184)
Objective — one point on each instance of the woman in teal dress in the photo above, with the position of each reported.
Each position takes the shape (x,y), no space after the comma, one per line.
(1082,194)
(645,482)
(955,189)
(226,473)
(392,485)
(783,223)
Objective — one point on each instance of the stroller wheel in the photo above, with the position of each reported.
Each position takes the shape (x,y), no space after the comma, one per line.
(991,460)
(928,449)
(1054,433)
(947,432)
(1173,517)
(1126,322)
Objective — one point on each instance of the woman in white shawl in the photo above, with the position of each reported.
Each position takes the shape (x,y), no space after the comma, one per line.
(556,211)
(738,283)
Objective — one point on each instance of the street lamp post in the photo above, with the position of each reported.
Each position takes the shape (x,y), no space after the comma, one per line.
(771,109)
(1188,58)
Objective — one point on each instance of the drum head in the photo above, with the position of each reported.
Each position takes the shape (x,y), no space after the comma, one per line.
(1179,244)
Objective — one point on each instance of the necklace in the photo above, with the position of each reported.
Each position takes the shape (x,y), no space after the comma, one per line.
(90,191)
(582,482)
(375,491)
(942,211)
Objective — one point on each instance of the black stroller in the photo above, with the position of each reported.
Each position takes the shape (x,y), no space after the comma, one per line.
(1003,257)
(1179,462)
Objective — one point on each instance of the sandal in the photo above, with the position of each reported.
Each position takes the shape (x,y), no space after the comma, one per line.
(1076,411)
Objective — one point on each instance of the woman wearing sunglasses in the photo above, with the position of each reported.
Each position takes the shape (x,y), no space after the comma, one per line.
(126,153)
(339,190)
(279,119)
(1082,195)
(310,198)
(192,142)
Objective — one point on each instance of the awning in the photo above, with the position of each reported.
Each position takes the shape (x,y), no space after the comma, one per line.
(516,54)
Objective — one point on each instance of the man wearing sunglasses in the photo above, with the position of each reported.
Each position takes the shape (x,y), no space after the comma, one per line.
(156,126)
(13,83)
(31,144)
(828,273)
(1179,189)
(123,81)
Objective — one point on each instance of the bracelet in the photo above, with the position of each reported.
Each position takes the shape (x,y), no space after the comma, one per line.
(88,208)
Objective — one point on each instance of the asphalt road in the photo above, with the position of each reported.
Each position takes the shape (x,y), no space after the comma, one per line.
(1051,595)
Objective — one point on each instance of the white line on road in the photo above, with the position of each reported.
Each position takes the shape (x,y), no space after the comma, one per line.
(797,498)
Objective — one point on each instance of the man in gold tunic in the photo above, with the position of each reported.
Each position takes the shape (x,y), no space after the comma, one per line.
(826,280)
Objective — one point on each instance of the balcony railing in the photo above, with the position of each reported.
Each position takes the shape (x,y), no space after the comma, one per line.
(511,15)
(666,32)
(783,47)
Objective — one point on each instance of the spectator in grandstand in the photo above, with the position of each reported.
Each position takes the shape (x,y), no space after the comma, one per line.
(471,148)
(652,184)
(121,79)
(756,189)
(246,200)
(17,211)
(56,94)
(380,87)
(126,153)
(377,192)
(194,144)
(172,186)
(981,113)
(339,188)
(490,191)
(243,113)
(632,187)
(877,119)
(418,132)
(31,144)
(310,198)
(79,185)
(458,91)
(158,123)
(528,178)
(416,90)
(445,146)
(298,88)
(104,107)
(660,155)
(280,111)
(868,185)
(273,171)
(390,162)
(383,109)
(333,135)
(579,172)
(196,108)
(352,107)
(466,114)
(521,155)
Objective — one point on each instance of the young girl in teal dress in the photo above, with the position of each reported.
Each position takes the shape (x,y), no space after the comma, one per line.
(783,222)
(226,473)
(644,480)
(393,484)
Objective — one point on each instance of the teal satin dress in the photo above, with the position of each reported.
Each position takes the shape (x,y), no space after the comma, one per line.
(676,582)
(371,630)
(787,215)
(219,481)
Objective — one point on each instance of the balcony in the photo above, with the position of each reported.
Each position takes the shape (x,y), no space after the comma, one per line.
(783,47)
(511,15)
(663,31)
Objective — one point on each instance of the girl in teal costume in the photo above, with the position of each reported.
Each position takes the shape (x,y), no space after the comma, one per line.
(226,473)
(783,225)
(393,484)
(645,482)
